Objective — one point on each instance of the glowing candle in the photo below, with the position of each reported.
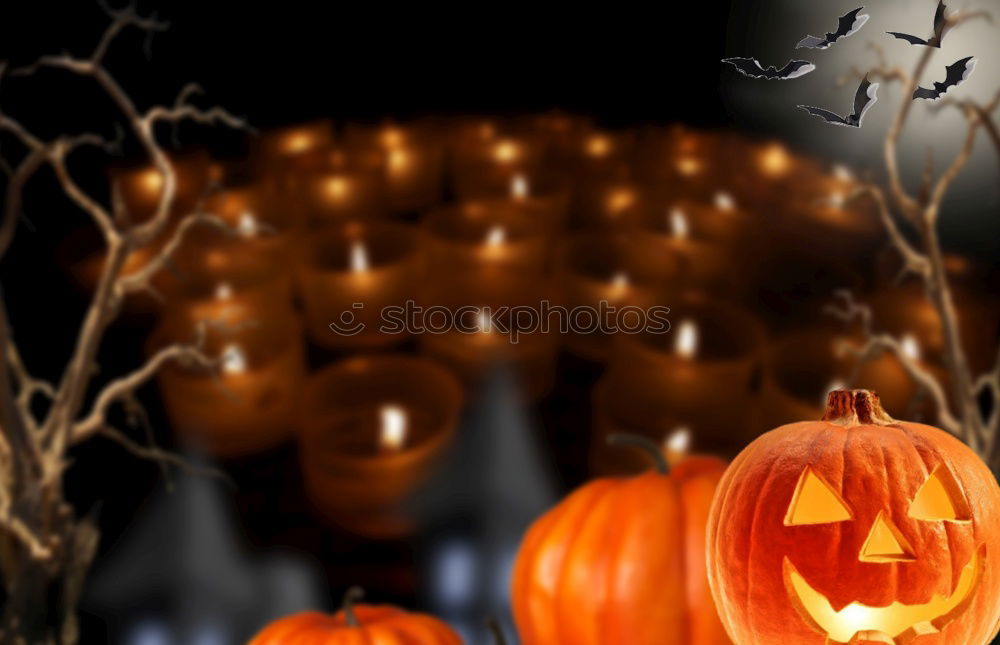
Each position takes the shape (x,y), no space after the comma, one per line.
(372,429)
(724,201)
(496,236)
(679,224)
(234,361)
(519,187)
(393,422)
(686,345)
(223,291)
(911,347)
(774,161)
(359,257)
(677,444)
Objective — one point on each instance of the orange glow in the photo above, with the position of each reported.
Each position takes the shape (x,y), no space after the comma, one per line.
(688,166)
(774,160)
(223,291)
(391,138)
(398,159)
(620,200)
(940,499)
(815,502)
(337,187)
(151,181)
(598,146)
(506,151)
(298,142)
(883,624)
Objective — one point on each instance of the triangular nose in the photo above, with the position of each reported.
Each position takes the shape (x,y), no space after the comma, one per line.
(885,543)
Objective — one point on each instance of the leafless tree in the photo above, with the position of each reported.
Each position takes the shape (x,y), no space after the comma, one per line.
(45,548)
(911,222)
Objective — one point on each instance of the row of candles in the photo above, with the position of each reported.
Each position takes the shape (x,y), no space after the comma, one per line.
(547,212)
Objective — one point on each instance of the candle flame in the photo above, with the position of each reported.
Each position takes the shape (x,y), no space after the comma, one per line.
(686,345)
(336,187)
(677,443)
(392,138)
(598,146)
(843,173)
(620,200)
(483,322)
(619,281)
(234,361)
(247,225)
(359,257)
(151,181)
(911,347)
(679,224)
(505,151)
(392,435)
(398,159)
(688,166)
(298,142)
(724,201)
(223,291)
(496,236)
(519,187)
(775,160)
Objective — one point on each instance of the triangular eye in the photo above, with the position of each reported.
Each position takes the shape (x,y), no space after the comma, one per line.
(815,502)
(940,499)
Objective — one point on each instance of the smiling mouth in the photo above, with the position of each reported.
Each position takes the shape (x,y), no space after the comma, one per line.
(895,624)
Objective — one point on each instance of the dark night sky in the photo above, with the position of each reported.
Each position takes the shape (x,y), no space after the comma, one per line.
(284,61)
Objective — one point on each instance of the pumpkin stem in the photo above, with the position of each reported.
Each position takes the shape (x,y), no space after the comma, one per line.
(855,407)
(353,595)
(645,444)
(494,626)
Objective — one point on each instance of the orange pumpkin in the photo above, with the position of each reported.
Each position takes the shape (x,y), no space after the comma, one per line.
(857,529)
(621,561)
(357,625)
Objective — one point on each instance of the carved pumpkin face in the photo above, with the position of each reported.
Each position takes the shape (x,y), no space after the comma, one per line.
(857,529)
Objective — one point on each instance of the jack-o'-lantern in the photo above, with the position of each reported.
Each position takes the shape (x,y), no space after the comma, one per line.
(856,529)
(621,561)
(354,624)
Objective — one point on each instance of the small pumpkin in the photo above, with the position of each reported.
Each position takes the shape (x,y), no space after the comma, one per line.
(857,529)
(621,561)
(357,624)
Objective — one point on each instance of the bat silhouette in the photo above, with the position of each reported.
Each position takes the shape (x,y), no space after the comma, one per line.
(933,41)
(752,68)
(849,23)
(957,73)
(865,98)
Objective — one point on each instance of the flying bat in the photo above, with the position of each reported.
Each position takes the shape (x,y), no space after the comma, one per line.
(933,41)
(865,98)
(849,23)
(957,73)
(752,68)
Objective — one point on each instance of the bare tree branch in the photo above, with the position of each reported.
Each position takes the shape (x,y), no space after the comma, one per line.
(850,311)
(913,260)
(119,389)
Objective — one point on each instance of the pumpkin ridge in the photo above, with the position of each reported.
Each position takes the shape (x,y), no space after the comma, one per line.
(603,565)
